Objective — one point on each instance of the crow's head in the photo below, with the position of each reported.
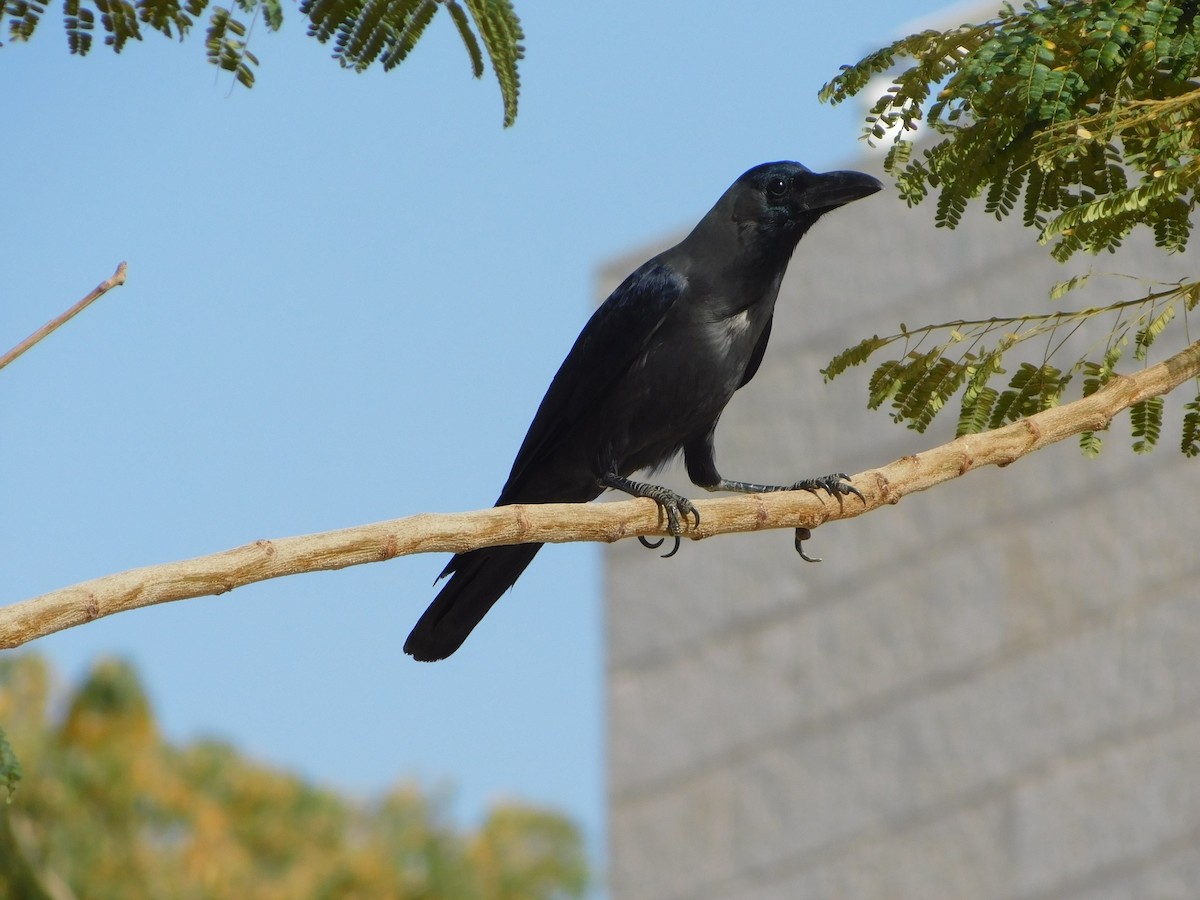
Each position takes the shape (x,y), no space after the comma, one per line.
(784,199)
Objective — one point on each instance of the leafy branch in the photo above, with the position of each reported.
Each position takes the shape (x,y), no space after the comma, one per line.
(561,522)
(1060,102)
(363,32)
(1084,119)
(920,382)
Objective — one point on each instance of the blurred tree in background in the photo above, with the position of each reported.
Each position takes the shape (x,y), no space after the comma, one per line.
(105,808)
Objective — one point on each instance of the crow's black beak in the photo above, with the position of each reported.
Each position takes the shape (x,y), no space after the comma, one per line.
(833,189)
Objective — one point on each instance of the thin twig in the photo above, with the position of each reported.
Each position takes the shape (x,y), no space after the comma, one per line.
(117,279)
(561,522)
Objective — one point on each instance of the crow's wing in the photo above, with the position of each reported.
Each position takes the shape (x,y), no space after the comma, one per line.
(613,339)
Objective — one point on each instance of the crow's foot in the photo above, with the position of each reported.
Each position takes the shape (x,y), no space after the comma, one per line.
(836,485)
(675,508)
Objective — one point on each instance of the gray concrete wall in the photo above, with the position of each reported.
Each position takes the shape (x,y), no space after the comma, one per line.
(989,690)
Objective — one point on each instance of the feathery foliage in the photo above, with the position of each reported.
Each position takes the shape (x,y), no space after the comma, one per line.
(1064,101)
(1083,118)
(1189,445)
(920,382)
(363,32)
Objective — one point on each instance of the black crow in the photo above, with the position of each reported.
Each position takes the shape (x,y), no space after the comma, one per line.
(649,376)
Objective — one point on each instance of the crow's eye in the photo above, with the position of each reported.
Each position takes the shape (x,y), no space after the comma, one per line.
(776,186)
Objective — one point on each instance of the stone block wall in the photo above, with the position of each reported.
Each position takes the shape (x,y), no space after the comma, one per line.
(991,690)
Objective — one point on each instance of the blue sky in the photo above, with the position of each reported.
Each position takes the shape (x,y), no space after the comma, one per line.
(347,294)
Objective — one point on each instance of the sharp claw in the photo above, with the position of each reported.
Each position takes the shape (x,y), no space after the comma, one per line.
(673,507)
(803,534)
(844,487)
(835,485)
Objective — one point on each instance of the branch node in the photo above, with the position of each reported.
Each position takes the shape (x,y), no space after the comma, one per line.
(760,512)
(884,488)
(1034,429)
(523,524)
(390,548)
(1119,382)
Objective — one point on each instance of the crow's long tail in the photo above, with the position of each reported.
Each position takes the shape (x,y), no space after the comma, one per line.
(477,579)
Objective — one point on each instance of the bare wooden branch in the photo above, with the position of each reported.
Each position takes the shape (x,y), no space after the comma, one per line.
(118,278)
(562,522)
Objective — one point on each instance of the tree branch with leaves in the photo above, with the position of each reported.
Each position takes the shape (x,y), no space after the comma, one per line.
(1085,116)
(363,32)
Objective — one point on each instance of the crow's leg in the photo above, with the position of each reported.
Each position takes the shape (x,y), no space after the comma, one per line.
(675,507)
(701,465)
(835,485)
(702,469)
